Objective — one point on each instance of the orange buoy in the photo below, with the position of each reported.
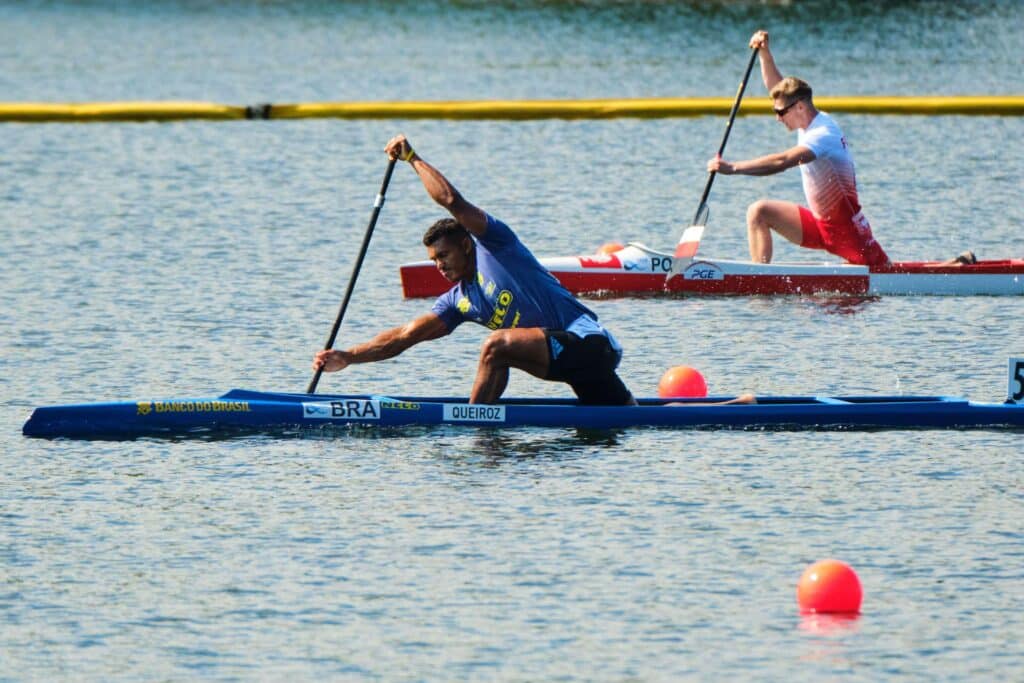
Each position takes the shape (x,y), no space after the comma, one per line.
(829,587)
(682,381)
(610,248)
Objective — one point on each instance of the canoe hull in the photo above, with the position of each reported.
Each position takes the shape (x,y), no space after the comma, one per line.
(242,410)
(636,269)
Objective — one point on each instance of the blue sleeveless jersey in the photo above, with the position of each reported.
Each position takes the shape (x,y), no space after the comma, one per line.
(512,289)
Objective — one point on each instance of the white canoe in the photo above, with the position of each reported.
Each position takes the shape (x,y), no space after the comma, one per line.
(637,269)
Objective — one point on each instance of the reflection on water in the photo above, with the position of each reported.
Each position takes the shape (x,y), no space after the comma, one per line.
(829,624)
(517,442)
(498,446)
(828,638)
(833,304)
(840,305)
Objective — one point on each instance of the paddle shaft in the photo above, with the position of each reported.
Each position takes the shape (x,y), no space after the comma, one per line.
(725,138)
(377,204)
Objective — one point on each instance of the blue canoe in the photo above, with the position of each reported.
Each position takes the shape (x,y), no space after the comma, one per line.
(255,411)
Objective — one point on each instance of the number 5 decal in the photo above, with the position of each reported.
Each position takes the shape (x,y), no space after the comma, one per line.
(1015,388)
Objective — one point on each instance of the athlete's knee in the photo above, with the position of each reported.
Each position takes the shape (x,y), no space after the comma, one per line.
(757,214)
(495,348)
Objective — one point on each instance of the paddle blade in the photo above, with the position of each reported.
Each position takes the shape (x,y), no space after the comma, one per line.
(685,250)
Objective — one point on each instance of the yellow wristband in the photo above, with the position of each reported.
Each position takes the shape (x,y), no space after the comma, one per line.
(410,155)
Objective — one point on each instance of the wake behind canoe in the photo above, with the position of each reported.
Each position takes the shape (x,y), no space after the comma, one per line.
(254,411)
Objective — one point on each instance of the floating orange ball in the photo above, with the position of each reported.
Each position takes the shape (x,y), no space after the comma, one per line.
(829,586)
(610,248)
(682,381)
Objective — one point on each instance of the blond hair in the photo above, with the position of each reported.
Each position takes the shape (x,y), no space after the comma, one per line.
(792,89)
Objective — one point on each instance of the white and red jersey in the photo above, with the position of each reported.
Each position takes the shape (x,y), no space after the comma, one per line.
(830,183)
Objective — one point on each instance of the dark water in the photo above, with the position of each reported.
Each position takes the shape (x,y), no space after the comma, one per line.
(148,260)
(246,52)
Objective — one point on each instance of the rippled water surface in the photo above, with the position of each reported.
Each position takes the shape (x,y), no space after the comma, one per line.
(166,260)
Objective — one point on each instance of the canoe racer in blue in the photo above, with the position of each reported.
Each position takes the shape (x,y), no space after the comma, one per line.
(536,325)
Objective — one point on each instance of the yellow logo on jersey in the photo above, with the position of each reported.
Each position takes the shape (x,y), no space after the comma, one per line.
(501,307)
(463,305)
(489,289)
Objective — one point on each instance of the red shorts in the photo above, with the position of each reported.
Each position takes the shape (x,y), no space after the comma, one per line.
(848,241)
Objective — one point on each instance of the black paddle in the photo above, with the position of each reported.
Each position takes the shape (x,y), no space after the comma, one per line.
(377,204)
(683,249)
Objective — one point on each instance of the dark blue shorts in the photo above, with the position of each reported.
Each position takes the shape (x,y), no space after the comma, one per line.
(587,365)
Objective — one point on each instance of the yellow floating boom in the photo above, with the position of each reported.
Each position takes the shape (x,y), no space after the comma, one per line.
(45,112)
(1006,105)
(982,105)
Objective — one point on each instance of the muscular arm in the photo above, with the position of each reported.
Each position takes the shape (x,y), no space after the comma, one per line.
(445,194)
(438,187)
(770,73)
(769,164)
(387,344)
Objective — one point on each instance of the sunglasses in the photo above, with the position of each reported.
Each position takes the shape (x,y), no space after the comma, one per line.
(784,110)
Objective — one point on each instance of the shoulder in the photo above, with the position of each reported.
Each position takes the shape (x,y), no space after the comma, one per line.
(824,125)
(449,298)
(496,224)
(498,233)
(821,132)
